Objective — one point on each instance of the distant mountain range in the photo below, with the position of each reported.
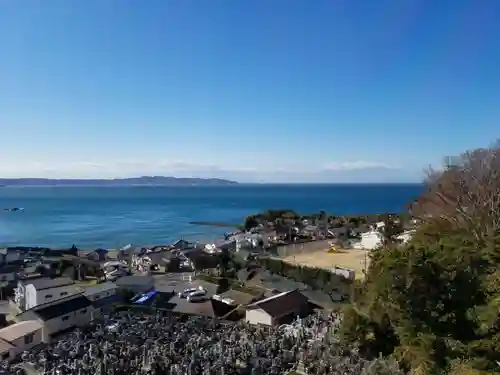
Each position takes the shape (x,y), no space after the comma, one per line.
(143,181)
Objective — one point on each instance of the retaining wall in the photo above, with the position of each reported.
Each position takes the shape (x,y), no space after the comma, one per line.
(302,247)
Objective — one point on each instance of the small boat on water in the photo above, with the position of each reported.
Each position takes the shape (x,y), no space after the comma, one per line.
(14,209)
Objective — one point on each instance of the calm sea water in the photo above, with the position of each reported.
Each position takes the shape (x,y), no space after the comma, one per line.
(115,216)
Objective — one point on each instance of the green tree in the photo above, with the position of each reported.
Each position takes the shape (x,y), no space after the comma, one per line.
(391,230)
(250,222)
(434,304)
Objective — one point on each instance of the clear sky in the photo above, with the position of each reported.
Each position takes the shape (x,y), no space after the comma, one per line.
(255,90)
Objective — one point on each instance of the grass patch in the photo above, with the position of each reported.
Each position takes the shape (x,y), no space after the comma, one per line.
(252,290)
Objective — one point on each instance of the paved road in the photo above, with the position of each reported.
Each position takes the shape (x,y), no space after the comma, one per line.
(179,282)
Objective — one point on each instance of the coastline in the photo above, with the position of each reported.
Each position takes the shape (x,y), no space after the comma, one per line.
(93,217)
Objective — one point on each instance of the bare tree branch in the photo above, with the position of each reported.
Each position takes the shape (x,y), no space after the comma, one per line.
(466,192)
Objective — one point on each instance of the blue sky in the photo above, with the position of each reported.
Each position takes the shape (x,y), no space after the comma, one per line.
(260,90)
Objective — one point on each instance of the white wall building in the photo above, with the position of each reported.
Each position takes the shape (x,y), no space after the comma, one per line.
(369,241)
(270,311)
(373,239)
(57,316)
(19,337)
(37,291)
(115,269)
(406,236)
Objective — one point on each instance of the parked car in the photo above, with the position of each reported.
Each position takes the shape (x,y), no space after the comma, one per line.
(186,292)
(197,296)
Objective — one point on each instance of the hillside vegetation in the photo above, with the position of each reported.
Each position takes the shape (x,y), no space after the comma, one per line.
(434,304)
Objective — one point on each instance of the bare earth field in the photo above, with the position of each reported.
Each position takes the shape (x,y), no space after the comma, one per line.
(347,258)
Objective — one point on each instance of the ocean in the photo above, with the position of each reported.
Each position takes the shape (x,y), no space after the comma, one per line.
(111,217)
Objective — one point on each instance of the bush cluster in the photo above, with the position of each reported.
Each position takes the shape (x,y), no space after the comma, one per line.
(433,305)
(315,278)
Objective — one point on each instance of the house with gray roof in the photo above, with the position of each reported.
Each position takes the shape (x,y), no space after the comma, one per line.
(31,292)
(60,315)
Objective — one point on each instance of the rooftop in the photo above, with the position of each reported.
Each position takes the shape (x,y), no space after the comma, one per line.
(238,297)
(10,268)
(281,303)
(5,346)
(4,308)
(98,288)
(42,283)
(20,329)
(106,301)
(63,307)
(140,281)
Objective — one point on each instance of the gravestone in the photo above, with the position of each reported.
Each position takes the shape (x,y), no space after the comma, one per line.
(300,368)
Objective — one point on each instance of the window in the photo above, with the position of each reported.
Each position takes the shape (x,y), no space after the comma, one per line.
(3,278)
(64,293)
(84,311)
(47,296)
(28,339)
(64,318)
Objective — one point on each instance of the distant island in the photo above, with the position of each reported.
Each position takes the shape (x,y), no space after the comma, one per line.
(137,181)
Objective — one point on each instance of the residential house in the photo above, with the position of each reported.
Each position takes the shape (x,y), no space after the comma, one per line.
(373,239)
(98,255)
(60,315)
(7,351)
(405,236)
(115,269)
(5,311)
(19,337)
(9,272)
(136,284)
(9,255)
(182,244)
(40,290)
(277,309)
(99,291)
(310,230)
(339,233)
(102,296)
(369,241)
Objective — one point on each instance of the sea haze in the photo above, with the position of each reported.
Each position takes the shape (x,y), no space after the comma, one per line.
(115,216)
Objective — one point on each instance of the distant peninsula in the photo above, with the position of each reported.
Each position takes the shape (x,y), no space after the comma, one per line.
(133,181)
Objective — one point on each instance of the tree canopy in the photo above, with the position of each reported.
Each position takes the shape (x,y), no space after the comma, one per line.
(434,304)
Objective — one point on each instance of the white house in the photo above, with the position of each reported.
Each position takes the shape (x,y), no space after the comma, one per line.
(19,337)
(252,240)
(406,236)
(271,311)
(37,291)
(115,269)
(60,315)
(369,241)
(373,239)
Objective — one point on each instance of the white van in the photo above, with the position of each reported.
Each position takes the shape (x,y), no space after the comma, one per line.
(197,296)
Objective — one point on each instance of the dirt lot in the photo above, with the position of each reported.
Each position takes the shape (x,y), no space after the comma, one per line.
(347,258)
